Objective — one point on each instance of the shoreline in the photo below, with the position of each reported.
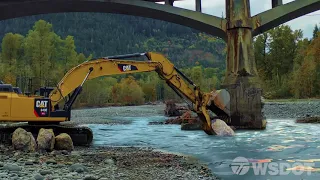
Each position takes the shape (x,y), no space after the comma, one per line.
(289,100)
(125,162)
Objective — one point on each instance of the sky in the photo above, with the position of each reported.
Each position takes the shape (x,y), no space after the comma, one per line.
(305,23)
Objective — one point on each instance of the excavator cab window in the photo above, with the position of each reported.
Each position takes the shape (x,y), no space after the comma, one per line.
(43,91)
(17,90)
(6,88)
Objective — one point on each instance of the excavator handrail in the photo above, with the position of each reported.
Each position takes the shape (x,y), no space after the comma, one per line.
(124,56)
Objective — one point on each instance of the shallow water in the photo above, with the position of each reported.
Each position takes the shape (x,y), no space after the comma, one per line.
(298,142)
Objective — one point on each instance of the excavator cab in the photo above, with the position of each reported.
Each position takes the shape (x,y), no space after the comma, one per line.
(6,88)
(44,91)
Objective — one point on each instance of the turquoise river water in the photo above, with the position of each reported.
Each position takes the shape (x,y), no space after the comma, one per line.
(284,144)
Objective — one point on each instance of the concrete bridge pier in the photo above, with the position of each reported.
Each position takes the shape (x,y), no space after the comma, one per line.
(242,80)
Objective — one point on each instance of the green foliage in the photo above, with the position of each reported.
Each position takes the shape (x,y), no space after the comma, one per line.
(41,55)
(149,85)
(102,34)
(288,64)
(97,92)
(11,55)
(128,92)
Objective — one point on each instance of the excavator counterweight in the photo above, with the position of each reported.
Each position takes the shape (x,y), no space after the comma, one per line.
(43,110)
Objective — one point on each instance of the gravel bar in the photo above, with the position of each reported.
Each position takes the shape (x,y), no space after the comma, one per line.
(292,110)
(100,163)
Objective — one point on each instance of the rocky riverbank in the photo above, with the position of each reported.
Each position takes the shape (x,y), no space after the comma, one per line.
(294,109)
(100,163)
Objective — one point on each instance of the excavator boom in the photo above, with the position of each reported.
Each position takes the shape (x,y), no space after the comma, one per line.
(100,67)
(216,101)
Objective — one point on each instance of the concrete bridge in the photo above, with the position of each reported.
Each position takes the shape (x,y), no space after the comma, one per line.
(237,29)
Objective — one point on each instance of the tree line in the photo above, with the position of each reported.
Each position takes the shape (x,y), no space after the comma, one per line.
(288,64)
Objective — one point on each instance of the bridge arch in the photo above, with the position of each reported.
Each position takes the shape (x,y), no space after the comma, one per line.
(196,20)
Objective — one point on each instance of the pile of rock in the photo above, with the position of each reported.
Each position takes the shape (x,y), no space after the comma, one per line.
(186,120)
(173,110)
(189,122)
(46,141)
(180,119)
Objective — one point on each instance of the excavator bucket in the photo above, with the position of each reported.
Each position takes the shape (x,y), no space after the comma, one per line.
(219,103)
(221,99)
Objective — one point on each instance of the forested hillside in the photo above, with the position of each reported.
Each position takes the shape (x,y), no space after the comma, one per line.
(102,34)
(46,49)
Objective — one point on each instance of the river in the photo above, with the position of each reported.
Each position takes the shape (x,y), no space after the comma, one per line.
(283,142)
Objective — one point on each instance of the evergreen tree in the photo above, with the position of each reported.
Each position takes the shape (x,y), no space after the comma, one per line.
(315,31)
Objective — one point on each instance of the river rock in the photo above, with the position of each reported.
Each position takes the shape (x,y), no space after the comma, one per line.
(308,119)
(185,117)
(51,161)
(63,142)
(79,168)
(46,139)
(23,140)
(173,110)
(177,120)
(44,172)
(38,177)
(155,123)
(12,167)
(196,125)
(190,123)
(109,162)
(90,177)
(221,128)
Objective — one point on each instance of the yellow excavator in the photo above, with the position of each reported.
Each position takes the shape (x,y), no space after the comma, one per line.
(33,112)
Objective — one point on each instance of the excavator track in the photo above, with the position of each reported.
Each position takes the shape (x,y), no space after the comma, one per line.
(80,135)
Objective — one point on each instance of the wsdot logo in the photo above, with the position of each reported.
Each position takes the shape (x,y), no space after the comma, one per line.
(240,166)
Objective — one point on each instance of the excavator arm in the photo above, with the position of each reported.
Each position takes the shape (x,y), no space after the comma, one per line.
(76,77)
(216,101)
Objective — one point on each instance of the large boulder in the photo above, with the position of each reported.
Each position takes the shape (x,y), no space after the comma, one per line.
(221,128)
(23,140)
(63,142)
(46,139)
